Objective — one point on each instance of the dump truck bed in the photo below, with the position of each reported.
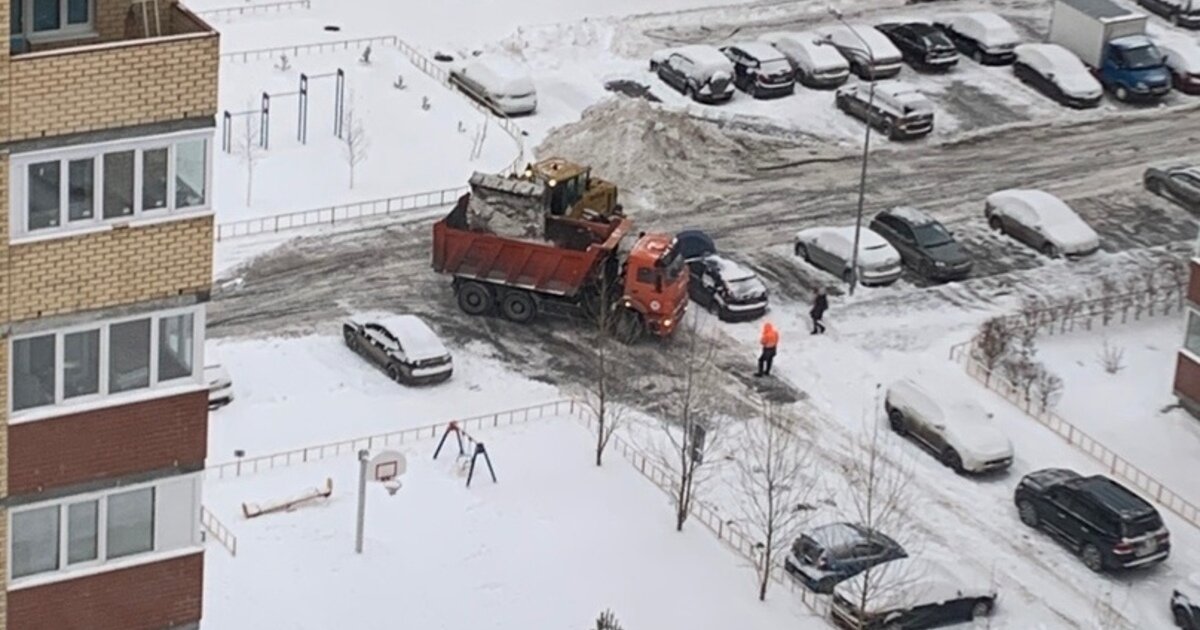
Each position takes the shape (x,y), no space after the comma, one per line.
(541,266)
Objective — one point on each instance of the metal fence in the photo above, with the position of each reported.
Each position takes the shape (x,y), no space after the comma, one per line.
(314,48)
(1114,463)
(252,9)
(254,465)
(334,214)
(708,516)
(1118,308)
(218,530)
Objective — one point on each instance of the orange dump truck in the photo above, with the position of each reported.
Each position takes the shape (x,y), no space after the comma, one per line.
(564,273)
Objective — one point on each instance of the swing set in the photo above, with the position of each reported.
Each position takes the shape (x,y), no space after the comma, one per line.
(476,451)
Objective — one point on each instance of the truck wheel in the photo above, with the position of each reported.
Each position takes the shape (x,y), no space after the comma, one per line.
(1122,93)
(475,299)
(1092,558)
(518,307)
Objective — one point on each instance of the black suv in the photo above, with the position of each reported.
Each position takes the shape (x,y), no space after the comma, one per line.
(833,553)
(925,245)
(924,46)
(1098,518)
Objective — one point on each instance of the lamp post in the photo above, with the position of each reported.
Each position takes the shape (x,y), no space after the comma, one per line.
(862,179)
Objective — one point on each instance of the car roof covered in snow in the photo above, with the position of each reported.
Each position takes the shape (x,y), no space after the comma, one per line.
(819,55)
(500,75)
(417,339)
(837,535)
(1047,208)
(761,51)
(731,270)
(912,216)
(909,582)
(984,26)
(1183,55)
(709,57)
(1049,477)
(1049,58)
(880,47)
(842,237)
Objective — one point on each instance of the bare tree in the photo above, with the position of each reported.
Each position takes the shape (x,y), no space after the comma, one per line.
(354,138)
(777,477)
(1049,387)
(692,421)
(993,343)
(603,381)
(248,147)
(1112,357)
(1108,298)
(608,621)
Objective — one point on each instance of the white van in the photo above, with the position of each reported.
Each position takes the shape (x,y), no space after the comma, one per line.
(817,65)
(502,84)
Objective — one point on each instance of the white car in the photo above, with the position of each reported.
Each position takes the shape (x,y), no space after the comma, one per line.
(831,249)
(879,59)
(957,431)
(1041,221)
(701,72)
(981,35)
(220,386)
(1183,60)
(1057,73)
(817,65)
(912,593)
(503,85)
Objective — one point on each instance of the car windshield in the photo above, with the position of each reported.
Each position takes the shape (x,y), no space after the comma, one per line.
(672,263)
(937,40)
(776,66)
(1142,526)
(1141,57)
(932,235)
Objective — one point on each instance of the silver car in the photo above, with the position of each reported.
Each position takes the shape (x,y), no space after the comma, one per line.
(831,249)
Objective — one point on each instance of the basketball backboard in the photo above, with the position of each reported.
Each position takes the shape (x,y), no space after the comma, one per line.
(387,465)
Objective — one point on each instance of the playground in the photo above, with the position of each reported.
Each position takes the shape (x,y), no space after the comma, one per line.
(548,545)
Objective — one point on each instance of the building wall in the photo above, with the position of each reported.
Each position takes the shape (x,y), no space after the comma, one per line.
(157,434)
(110,268)
(1187,381)
(87,89)
(152,596)
(1193,293)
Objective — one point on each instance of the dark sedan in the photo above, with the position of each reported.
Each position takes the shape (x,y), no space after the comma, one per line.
(924,46)
(403,346)
(1179,183)
(924,244)
(830,554)
(726,288)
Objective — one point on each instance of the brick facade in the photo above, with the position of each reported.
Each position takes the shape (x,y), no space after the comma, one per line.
(1193,293)
(110,268)
(108,443)
(152,596)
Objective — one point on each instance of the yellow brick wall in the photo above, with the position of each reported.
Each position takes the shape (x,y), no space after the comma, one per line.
(111,268)
(78,90)
(3,351)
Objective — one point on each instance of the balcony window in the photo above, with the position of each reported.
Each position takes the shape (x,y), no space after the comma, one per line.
(1191,340)
(130,525)
(52,19)
(35,536)
(106,359)
(83,533)
(113,182)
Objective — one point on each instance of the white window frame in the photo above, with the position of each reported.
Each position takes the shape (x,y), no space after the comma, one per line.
(66,571)
(65,31)
(63,405)
(19,183)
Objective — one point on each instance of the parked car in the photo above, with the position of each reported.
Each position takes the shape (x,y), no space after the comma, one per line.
(1184,13)
(726,288)
(816,65)
(1110,39)
(956,431)
(1109,526)
(1183,61)
(982,35)
(220,386)
(1041,221)
(911,593)
(923,45)
(1185,604)
(829,554)
(831,249)
(701,72)
(501,84)
(761,70)
(879,59)
(1057,73)
(898,110)
(925,245)
(403,346)
(1180,183)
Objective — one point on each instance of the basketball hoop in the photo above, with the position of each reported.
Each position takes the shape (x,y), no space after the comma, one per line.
(392,486)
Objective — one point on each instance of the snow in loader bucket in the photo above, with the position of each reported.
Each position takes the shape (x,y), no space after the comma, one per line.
(507,207)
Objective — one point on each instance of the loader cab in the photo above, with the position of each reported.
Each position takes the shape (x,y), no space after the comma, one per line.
(572,192)
(656,281)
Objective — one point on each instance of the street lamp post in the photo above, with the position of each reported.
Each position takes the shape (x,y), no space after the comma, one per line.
(862,179)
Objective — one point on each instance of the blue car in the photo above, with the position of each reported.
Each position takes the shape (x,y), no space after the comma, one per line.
(830,554)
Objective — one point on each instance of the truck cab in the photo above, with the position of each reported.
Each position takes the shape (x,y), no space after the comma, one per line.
(1111,40)
(1134,68)
(655,282)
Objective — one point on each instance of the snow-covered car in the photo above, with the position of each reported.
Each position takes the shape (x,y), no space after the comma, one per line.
(816,65)
(1185,603)
(1057,73)
(1184,13)
(898,110)
(403,346)
(829,554)
(1183,60)
(911,593)
(877,59)
(220,386)
(832,248)
(956,431)
(1041,221)
(982,35)
(698,71)
(726,288)
(761,70)
(502,84)
(1179,182)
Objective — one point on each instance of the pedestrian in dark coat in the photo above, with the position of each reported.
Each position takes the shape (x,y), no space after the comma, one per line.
(820,305)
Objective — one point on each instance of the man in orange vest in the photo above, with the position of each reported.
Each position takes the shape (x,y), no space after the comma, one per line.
(769,340)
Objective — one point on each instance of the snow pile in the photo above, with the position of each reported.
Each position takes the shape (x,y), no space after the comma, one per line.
(642,147)
(506,207)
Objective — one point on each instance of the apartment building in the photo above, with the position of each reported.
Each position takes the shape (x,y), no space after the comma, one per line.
(107,111)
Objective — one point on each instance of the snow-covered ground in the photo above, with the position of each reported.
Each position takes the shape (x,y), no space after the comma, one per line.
(1133,411)
(551,545)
